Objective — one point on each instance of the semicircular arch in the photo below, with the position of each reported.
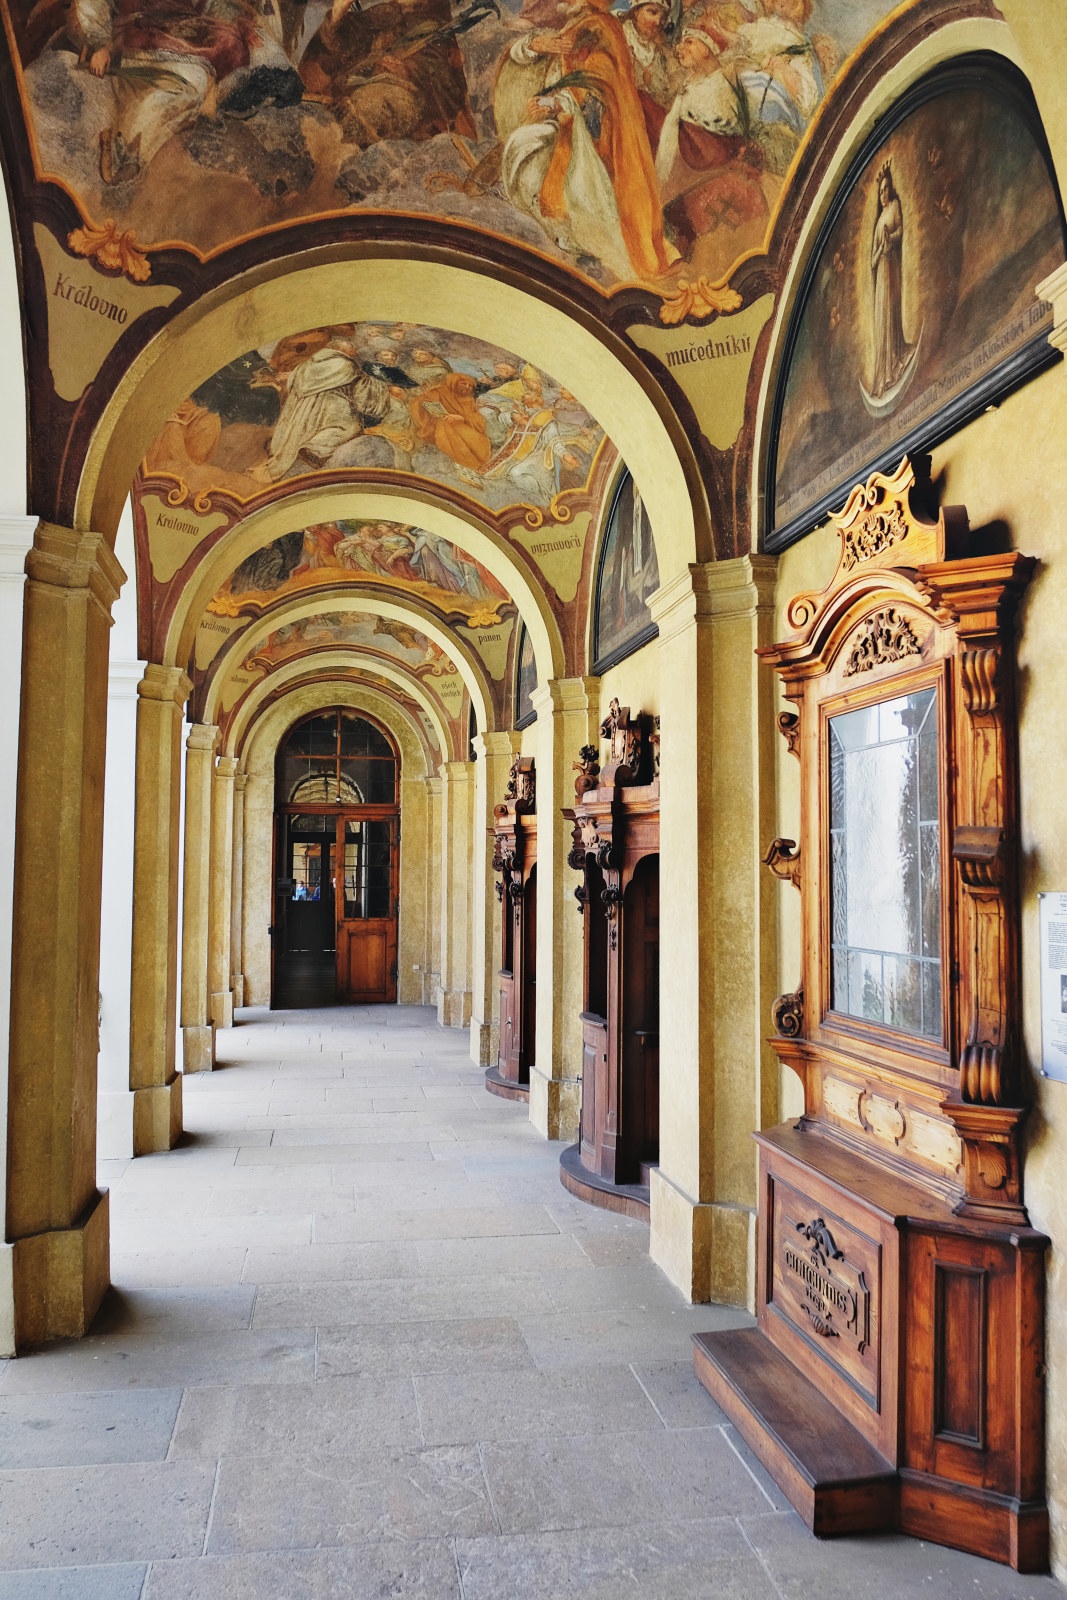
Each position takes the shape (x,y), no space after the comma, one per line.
(266,733)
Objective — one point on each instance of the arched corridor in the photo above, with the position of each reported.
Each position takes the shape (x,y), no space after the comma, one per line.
(361,1342)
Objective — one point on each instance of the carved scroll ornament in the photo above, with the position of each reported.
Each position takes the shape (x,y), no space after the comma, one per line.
(885,637)
(783,858)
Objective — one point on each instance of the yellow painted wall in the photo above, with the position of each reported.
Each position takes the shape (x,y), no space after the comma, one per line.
(1006,466)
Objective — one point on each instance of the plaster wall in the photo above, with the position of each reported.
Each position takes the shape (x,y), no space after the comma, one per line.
(1004,468)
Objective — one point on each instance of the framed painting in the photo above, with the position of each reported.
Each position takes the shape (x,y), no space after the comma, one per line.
(917,308)
(627,574)
(525,681)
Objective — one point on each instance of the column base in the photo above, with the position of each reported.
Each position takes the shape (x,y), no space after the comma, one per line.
(157,1117)
(707,1249)
(555,1105)
(222,1008)
(454,1008)
(239,990)
(7,1301)
(198,1047)
(60,1277)
(114,1125)
(485,1042)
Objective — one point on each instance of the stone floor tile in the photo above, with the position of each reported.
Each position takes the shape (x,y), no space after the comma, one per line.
(155,1362)
(72,1430)
(384,1570)
(583,1481)
(303,1421)
(173,1313)
(879,1566)
(610,1336)
(82,1516)
(697,1473)
(375,1300)
(680,1399)
(333,1263)
(497,1406)
(138,1236)
(706,1560)
(471,1346)
(306,1155)
(188,1269)
(264,1504)
(75,1583)
(454,1222)
(535,1252)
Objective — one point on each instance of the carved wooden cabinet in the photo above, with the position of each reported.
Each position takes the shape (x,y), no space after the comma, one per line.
(515,863)
(895,1379)
(616,849)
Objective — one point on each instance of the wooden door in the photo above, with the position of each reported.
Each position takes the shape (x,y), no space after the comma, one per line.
(367,901)
(528,999)
(639,1023)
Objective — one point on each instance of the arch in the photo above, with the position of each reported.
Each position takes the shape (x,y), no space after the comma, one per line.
(276,719)
(331,284)
(353,502)
(937,49)
(328,662)
(308,605)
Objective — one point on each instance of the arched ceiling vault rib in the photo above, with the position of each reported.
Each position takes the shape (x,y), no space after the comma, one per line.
(352,502)
(343,666)
(312,604)
(338,283)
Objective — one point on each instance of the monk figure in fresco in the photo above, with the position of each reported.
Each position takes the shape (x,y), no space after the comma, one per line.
(596,69)
(446,415)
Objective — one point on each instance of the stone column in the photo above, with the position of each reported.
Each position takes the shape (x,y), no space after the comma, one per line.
(258,886)
(718,925)
(115,1099)
(237,959)
(220,991)
(156,1085)
(454,999)
(567,717)
(16,538)
(495,752)
(431,971)
(198,1032)
(415,870)
(57,1219)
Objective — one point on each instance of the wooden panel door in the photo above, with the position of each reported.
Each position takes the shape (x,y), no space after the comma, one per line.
(367,908)
(639,1026)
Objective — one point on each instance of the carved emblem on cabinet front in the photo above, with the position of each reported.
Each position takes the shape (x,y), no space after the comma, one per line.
(833,1294)
(885,637)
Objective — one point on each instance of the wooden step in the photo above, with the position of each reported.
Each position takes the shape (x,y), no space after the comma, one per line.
(834,1478)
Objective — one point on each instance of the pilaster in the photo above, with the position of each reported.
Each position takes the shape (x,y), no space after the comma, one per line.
(717,951)
(431,961)
(197,1027)
(568,717)
(161,696)
(416,866)
(220,991)
(495,753)
(257,890)
(237,963)
(115,1099)
(454,999)
(57,1219)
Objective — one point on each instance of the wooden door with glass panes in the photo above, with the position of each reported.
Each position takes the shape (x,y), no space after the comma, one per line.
(367,901)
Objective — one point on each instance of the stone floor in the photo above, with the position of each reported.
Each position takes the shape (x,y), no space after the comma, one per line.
(362,1343)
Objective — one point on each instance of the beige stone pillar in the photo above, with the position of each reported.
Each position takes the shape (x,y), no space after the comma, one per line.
(718,1079)
(415,868)
(567,718)
(198,1032)
(431,972)
(220,898)
(258,887)
(237,963)
(157,1088)
(495,752)
(57,1219)
(454,999)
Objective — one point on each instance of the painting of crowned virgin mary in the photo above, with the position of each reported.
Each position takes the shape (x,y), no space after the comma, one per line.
(917,308)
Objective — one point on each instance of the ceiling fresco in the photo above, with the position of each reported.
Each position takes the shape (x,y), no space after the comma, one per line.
(631,142)
(399,398)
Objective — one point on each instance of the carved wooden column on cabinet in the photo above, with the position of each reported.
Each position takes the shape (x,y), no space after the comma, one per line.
(515,862)
(895,1379)
(616,849)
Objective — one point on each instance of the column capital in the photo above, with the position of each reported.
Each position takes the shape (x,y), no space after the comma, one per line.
(433,785)
(202,736)
(1053,290)
(737,587)
(123,679)
(16,540)
(226,768)
(456,771)
(494,744)
(65,558)
(566,694)
(165,683)
(240,780)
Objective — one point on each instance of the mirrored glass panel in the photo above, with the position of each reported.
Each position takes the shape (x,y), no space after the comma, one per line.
(885,864)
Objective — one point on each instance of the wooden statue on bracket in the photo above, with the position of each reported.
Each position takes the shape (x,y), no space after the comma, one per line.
(895,1377)
(616,849)
(515,862)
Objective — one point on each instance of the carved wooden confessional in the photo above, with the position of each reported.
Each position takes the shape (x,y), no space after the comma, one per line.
(515,862)
(616,849)
(895,1379)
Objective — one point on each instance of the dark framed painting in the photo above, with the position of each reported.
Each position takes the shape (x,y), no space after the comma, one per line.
(525,680)
(627,574)
(917,309)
